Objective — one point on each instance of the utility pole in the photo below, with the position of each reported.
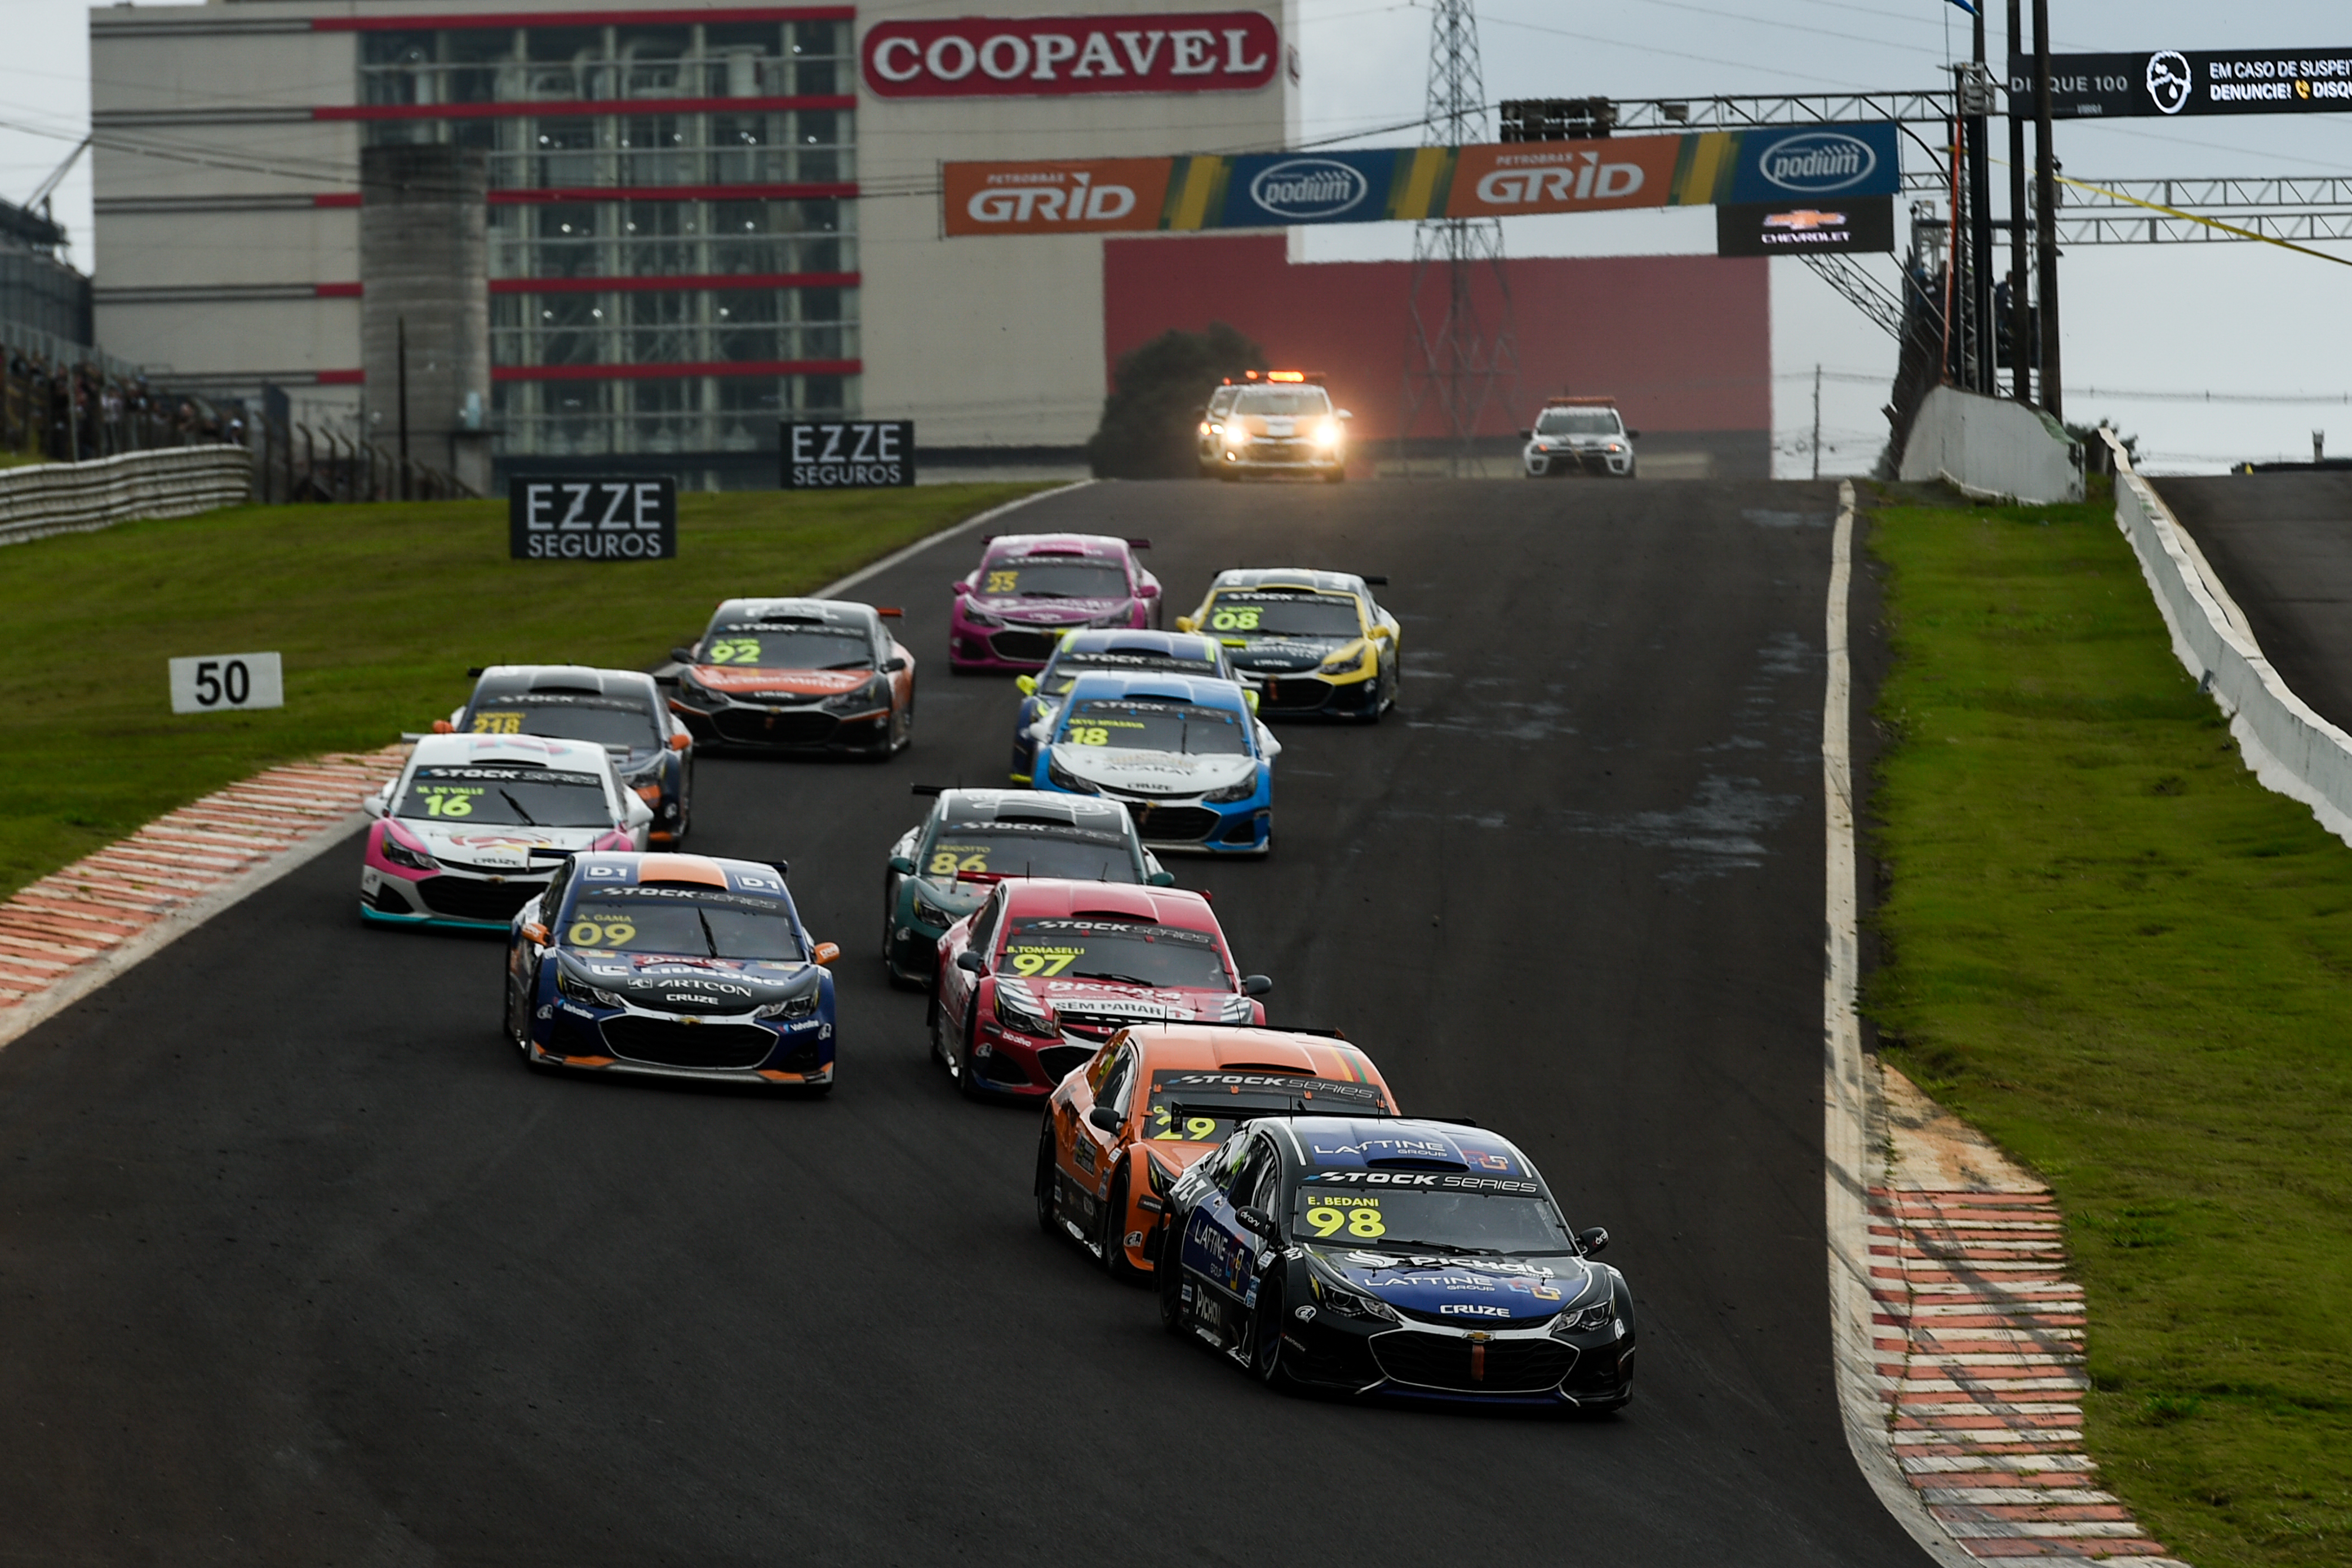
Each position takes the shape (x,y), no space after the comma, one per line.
(1977,103)
(2046,215)
(1817,422)
(400,329)
(1453,362)
(2020,303)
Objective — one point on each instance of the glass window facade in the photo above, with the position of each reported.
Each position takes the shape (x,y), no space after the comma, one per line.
(714,288)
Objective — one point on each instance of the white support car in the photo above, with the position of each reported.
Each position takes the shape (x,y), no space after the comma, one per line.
(458,834)
(1580,435)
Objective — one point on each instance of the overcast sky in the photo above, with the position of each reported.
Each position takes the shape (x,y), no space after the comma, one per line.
(2228,318)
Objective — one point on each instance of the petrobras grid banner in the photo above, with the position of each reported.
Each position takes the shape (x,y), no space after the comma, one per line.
(1268,190)
(2161,82)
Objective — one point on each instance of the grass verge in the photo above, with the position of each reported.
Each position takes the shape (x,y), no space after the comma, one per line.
(2112,950)
(378,610)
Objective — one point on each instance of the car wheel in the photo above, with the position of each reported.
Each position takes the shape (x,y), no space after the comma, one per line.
(935,1025)
(1046,1221)
(1168,1275)
(1337,476)
(1265,1339)
(1113,1235)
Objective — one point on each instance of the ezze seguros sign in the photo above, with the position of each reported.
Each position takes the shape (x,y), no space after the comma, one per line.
(1056,57)
(847,453)
(627,519)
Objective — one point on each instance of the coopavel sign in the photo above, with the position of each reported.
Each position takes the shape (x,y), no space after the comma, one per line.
(2164,82)
(1060,57)
(624,518)
(1270,189)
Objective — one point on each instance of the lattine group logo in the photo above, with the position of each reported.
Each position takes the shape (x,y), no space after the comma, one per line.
(1308,188)
(1818,162)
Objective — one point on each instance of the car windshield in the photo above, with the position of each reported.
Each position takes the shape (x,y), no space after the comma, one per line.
(1579,421)
(1199,1107)
(694,923)
(1284,403)
(1184,728)
(1131,952)
(602,720)
(1234,612)
(1053,576)
(1069,667)
(1026,849)
(506,798)
(1406,1218)
(789,645)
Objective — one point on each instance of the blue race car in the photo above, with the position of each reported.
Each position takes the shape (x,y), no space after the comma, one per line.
(1186,756)
(1120,650)
(674,965)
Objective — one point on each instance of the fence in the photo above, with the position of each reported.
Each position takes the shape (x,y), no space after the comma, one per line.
(2290,748)
(294,462)
(43,498)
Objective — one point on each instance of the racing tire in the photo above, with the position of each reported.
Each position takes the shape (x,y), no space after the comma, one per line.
(967,1081)
(1047,1220)
(1114,1238)
(1337,476)
(1265,1362)
(1168,1279)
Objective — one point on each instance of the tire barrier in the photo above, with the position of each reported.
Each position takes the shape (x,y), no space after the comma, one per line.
(47,498)
(2289,746)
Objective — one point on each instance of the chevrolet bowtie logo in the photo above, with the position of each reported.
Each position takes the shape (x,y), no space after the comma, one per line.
(1805,218)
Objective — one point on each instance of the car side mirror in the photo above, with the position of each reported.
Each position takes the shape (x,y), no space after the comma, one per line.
(1255,985)
(680,741)
(639,813)
(1160,879)
(903,865)
(534,932)
(971,963)
(1527,435)
(1184,623)
(825,952)
(1259,1221)
(1146,591)
(1026,686)
(1103,1116)
(443,726)
(893,665)
(1347,413)
(1632,435)
(375,806)
(1593,1241)
(683,655)
(1249,694)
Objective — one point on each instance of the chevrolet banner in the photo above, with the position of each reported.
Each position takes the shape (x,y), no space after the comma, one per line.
(1779,165)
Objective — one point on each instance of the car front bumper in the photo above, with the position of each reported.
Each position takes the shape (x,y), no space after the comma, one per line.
(735,1048)
(1562,462)
(797,727)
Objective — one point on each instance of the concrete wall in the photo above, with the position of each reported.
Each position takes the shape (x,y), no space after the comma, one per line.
(2290,748)
(1992,446)
(425,264)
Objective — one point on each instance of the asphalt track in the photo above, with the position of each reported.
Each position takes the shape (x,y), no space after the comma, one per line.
(2283,545)
(298,1265)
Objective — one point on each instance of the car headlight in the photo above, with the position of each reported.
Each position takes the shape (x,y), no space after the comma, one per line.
(1062,778)
(1590,1316)
(1348,1302)
(1233,793)
(399,853)
(874,693)
(1013,1010)
(800,1006)
(929,914)
(1327,433)
(1237,434)
(1614,446)
(1348,664)
(579,990)
(978,617)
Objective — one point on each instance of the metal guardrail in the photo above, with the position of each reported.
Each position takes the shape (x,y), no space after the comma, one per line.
(45,499)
